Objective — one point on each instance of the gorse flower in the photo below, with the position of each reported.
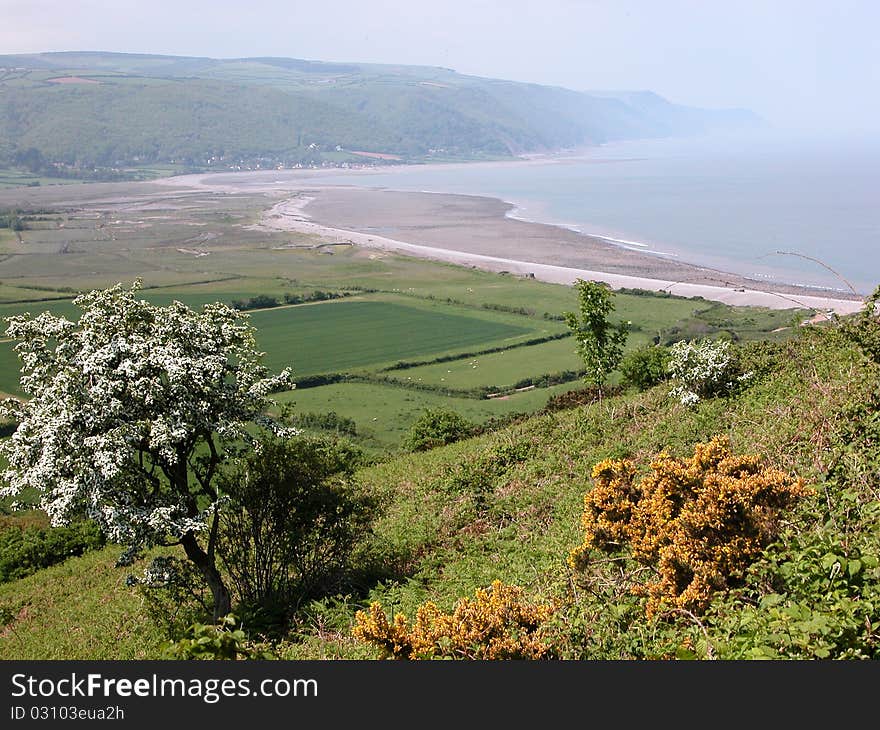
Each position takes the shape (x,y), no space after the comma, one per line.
(698,522)
(498,623)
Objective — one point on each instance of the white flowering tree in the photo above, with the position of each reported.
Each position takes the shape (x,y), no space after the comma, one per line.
(703,369)
(130,413)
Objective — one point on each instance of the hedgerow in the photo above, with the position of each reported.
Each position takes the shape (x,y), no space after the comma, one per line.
(25,551)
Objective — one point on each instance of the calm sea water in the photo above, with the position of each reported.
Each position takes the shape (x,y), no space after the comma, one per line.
(726,202)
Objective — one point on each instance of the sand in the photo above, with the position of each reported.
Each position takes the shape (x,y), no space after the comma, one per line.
(466,230)
(473,231)
(477,231)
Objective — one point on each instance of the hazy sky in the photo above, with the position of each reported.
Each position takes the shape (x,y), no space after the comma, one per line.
(794,61)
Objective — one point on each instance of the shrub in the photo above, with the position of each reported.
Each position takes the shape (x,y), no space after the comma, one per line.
(12,220)
(576,398)
(498,623)
(317,296)
(645,367)
(864,329)
(330,421)
(703,369)
(816,591)
(293,519)
(437,427)
(224,640)
(823,602)
(25,551)
(174,593)
(262,301)
(698,522)
(475,477)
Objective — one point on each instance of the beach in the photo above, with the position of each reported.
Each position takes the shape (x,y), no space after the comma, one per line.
(474,231)
(479,231)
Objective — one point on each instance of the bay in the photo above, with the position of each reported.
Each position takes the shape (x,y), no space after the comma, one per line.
(798,211)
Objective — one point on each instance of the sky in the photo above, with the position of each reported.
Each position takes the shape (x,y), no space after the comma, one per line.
(798,63)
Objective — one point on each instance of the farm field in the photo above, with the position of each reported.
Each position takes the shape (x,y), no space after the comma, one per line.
(497,368)
(341,335)
(384,414)
(15,178)
(199,247)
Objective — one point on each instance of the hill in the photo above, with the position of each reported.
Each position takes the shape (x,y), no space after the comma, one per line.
(69,113)
(510,506)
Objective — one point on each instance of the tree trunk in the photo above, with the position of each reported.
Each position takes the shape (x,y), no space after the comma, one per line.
(206,566)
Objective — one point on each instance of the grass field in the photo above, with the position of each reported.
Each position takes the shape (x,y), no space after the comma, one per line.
(9,367)
(341,335)
(384,414)
(16,178)
(198,248)
(498,368)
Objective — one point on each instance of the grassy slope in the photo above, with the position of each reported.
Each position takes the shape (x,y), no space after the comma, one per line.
(443,546)
(435,542)
(80,609)
(385,414)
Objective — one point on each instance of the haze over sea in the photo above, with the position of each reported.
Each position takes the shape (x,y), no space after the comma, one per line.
(727,202)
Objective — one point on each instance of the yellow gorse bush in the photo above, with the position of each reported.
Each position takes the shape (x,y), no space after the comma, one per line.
(498,623)
(698,522)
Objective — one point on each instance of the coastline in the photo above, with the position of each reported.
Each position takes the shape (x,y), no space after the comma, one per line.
(478,231)
(311,210)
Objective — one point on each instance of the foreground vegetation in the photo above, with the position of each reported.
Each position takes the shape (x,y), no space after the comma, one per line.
(455,490)
(494,530)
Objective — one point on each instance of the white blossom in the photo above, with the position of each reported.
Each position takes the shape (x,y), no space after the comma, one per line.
(119,398)
(702,369)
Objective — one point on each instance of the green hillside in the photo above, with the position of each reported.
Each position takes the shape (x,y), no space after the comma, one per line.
(69,113)
(508,506)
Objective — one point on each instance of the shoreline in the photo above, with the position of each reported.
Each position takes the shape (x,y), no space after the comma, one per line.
(476,231)
(484,236)
(290,214)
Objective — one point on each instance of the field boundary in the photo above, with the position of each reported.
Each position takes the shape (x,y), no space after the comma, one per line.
(408,364)
(483,392)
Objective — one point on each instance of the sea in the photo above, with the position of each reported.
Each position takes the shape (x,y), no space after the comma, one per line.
(774,207)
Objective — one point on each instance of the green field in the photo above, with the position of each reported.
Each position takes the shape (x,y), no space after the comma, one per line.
(341,335)
(9,367)
(384,414)
(498,368)
(197,248)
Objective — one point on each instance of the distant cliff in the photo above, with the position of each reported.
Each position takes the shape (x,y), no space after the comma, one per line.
(65,112)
